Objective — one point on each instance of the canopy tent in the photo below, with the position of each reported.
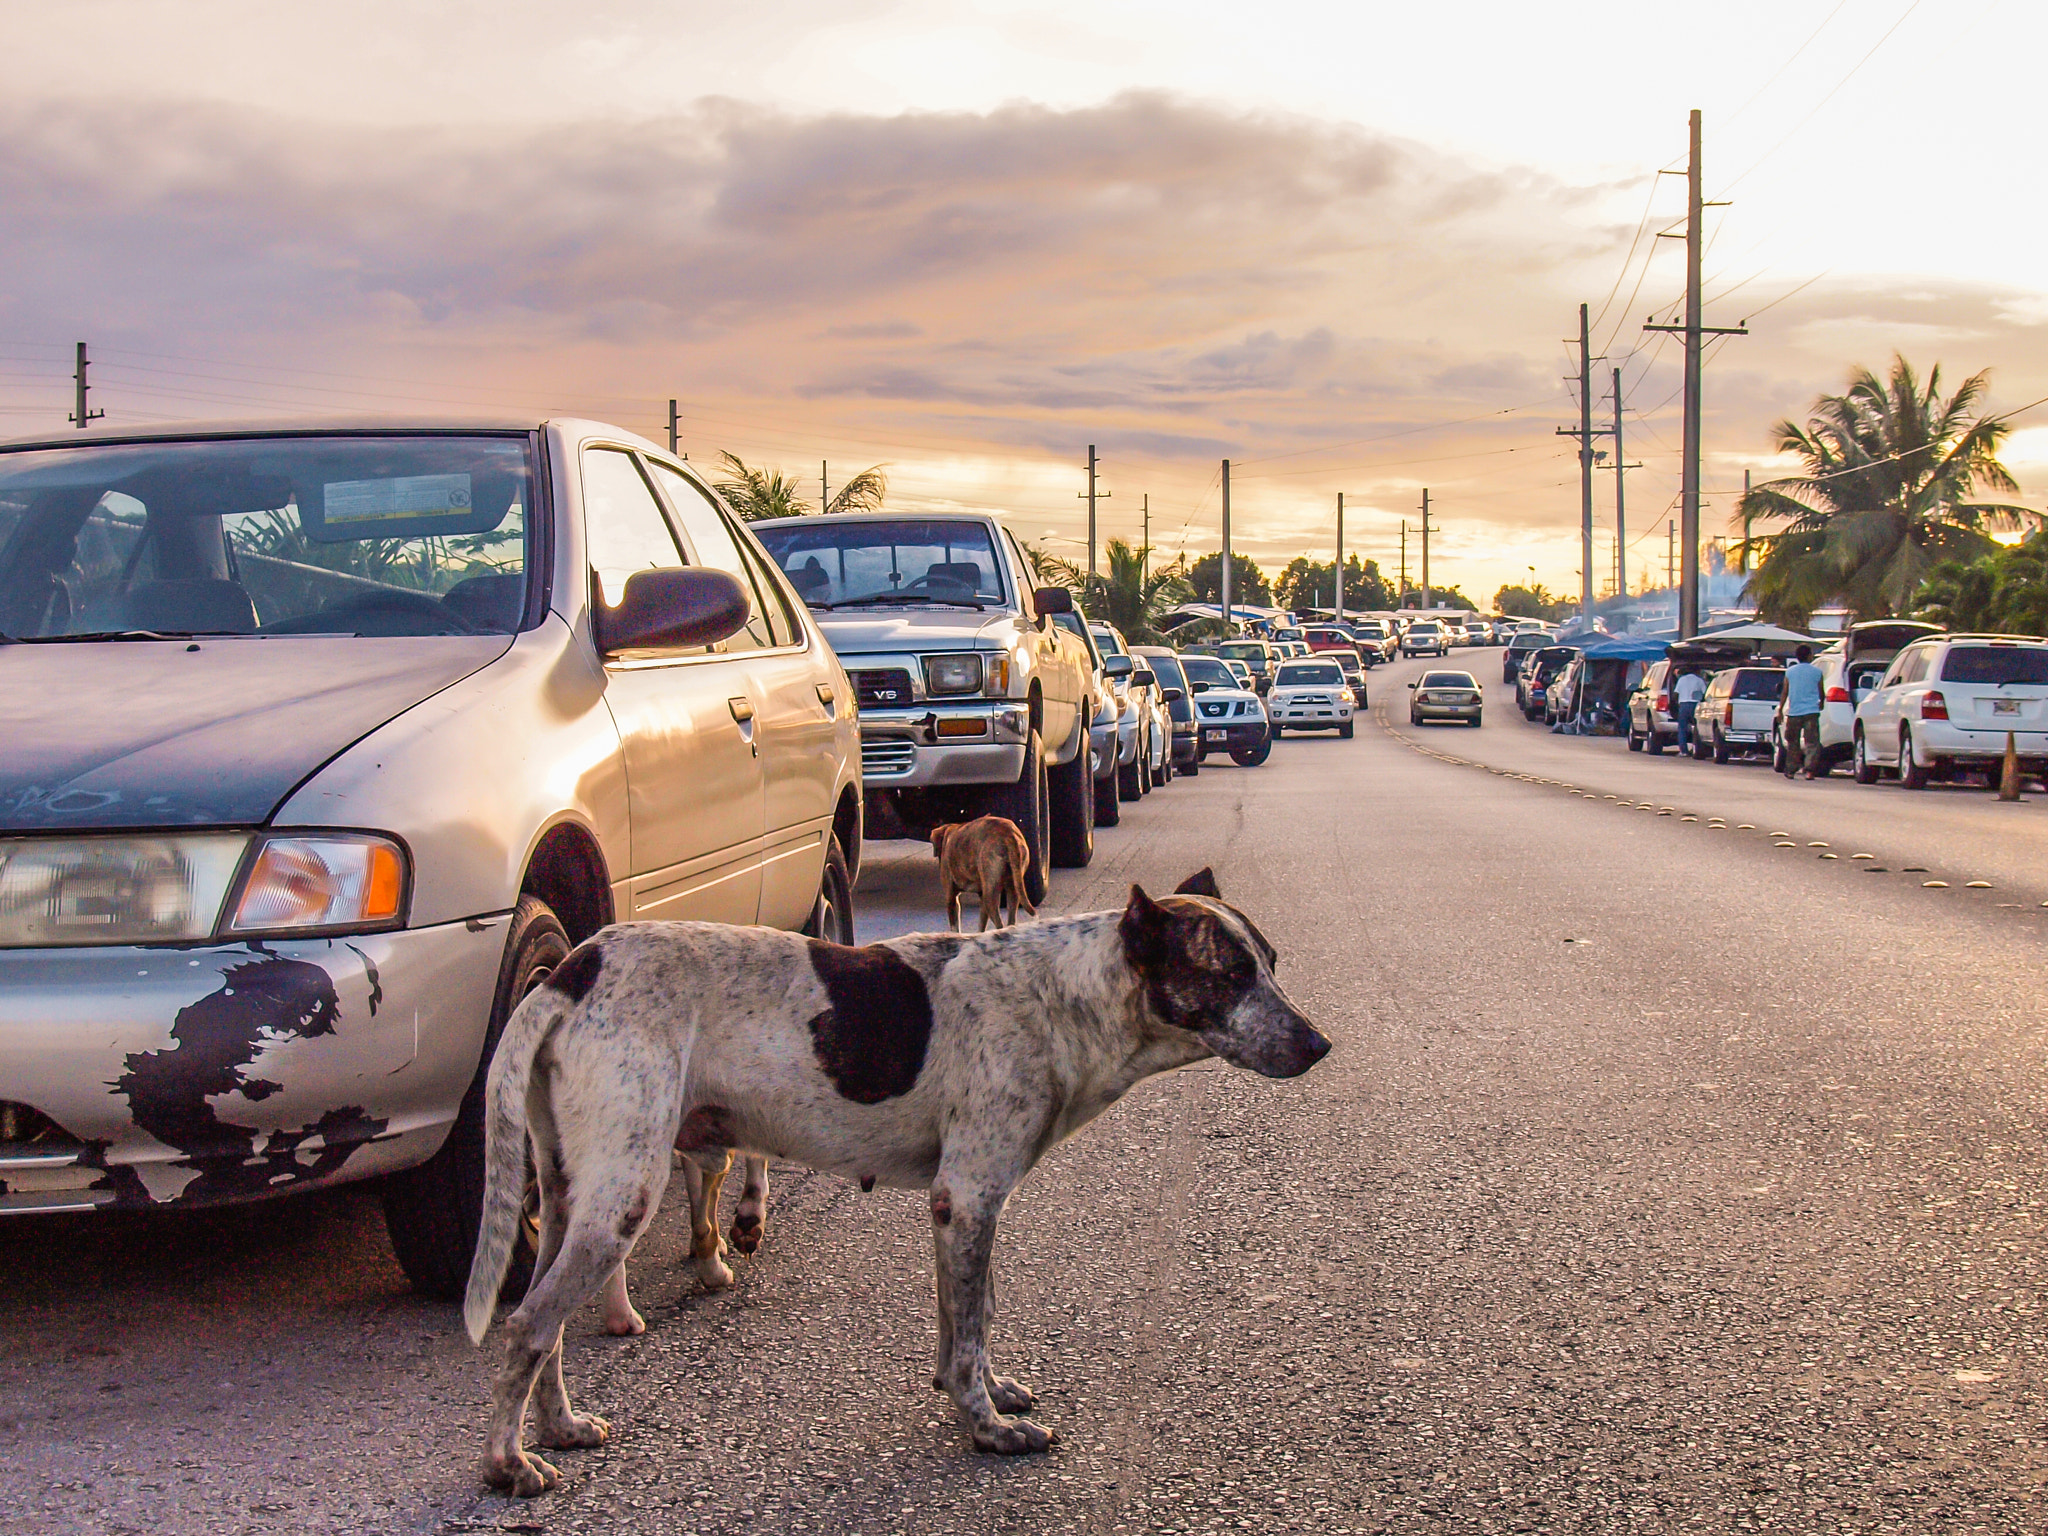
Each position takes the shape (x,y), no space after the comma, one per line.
(1626,648)
(1760,639)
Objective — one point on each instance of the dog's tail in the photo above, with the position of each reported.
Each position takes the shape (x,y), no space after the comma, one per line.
(505,1150)
(1017,871)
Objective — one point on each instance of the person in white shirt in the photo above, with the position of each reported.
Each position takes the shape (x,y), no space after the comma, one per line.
(1686,694)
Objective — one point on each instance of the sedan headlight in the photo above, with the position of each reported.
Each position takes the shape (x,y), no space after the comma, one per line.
(176,889)
(949,675)
(304,883)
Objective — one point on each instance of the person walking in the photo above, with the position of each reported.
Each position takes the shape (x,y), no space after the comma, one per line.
(1803,703)
(1686,695)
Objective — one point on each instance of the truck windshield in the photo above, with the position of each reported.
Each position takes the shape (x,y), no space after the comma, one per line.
(399,535)
(903,560)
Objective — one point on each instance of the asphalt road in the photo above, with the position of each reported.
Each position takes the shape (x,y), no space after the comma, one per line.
(1662,1179)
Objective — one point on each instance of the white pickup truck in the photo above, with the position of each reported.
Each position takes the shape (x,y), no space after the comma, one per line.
(972,701)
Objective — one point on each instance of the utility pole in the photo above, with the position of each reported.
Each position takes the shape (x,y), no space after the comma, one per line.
(671,426)
(1585,432)
(1621,467)
(80,414)
(1404,564)
(1692,330)
(824,485)
(1425,547)
(1145,542)
(1670,554)
(1226,543)
(1092,494)
(1339,593)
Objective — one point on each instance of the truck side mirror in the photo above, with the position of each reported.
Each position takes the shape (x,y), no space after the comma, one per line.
(1175,695)
(1117,666)
(1144,677)
(1050,600)
(671,610)
(1201,687)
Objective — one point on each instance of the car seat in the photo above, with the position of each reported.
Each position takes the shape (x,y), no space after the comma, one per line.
(958,573)
(203,606)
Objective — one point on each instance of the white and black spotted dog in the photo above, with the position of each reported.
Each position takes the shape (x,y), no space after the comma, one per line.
(947,1061)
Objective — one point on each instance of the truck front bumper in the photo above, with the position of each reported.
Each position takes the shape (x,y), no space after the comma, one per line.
(975,742)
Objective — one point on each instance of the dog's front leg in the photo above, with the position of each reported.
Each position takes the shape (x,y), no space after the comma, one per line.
(964,1234)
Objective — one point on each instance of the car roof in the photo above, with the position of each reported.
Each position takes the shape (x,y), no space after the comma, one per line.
(303,426)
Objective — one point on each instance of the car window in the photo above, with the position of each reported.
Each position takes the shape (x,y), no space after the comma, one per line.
(1753,685)
(1207,669)
(1912,666)
(370,536)
(1167,669)
(715,546)
(1448,680)
(1106,642)
(623,524)
(1995,664)
(1297,674)
(851,562)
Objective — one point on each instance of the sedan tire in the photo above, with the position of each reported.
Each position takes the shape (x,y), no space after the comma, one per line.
(1911,774)
(1071,804)
(1859,756)
(832,913)
(432,1212)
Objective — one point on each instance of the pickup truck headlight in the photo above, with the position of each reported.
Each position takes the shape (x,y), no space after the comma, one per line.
(946,676)
(176,888)
(300,884)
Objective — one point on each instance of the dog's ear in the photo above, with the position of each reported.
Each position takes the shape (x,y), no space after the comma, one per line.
(1144,929)
(939,836)
(1200,883)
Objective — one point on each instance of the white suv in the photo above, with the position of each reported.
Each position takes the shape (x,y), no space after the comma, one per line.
(1950,702)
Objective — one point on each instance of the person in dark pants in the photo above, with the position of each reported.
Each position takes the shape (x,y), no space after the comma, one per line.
(1686,694)
(1803,704)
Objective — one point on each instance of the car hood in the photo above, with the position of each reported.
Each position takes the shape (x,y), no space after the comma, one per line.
(867,630)
(104,735)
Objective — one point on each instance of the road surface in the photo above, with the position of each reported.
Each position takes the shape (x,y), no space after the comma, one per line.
(1663,1178)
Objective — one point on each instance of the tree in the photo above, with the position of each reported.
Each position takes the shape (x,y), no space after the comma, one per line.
(1310,583)
(1884,497)
(757,493)
(1127,594)
(1439,597)
(1247,582)
(1534,601)
(2005,592)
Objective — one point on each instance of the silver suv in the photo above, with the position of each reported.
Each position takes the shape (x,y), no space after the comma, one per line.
(324,744)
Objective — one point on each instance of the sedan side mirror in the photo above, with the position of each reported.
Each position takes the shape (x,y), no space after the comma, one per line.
(1117,666)
(1202,687)
(1175,695)
(1050,600)
(1411,687)
(1144,677)
(668,610)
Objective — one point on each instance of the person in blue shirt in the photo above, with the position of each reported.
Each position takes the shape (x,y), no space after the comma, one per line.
(1802,707)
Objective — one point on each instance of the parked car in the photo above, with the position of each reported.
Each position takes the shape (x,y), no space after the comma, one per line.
(1311,695)
(1258,656)
(1539,671)
(1948,703)
(1328,637)
(1114,726)
(1738,712)
(1849,670)
(324,744)
(1140,724)
(1376,639)
(1354,676)
(1446,696)
(1232,716)
(1518,649)
(1185,734)
(1561,698)
(1652,711)
(972,699)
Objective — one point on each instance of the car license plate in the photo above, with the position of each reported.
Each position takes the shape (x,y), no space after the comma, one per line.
(1216,735)
(2005,706)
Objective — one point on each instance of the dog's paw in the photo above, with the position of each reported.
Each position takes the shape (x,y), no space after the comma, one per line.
(576,1433)
(714,1274)
(624,1325)
(1014,1437)
(521,1475)
(746,1233)
(1009,1395)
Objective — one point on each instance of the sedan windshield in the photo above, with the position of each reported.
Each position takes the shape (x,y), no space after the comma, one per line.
(1309,674)
(1206,669)
(1449,680)
(400,535)
(1993,664)
(851,564)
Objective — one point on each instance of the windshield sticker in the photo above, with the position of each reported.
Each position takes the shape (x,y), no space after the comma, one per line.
(403,507)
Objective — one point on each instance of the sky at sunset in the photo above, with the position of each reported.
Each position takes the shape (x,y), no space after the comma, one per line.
(1340,246)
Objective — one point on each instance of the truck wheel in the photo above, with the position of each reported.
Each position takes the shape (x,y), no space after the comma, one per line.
(432,1212)
(1028,803)
(1129,777)
(1720,747)
(1345,730)
(1251,757)
(1108,812)
(1190,768)
(832,913)
(1073,800)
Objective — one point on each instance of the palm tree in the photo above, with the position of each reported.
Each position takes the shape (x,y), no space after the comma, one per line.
(1884,497)
(1126,594)
(756,493)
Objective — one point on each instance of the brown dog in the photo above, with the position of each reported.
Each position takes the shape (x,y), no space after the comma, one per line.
(988,856)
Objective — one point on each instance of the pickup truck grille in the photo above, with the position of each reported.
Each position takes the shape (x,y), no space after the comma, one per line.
(887,759)
(882,687)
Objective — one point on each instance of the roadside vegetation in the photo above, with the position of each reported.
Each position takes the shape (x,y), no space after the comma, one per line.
(758,493)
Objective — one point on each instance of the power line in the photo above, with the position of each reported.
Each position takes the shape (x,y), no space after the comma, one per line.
(1757,94)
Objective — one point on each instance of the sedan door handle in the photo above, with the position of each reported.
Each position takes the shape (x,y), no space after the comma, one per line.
(742,709)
